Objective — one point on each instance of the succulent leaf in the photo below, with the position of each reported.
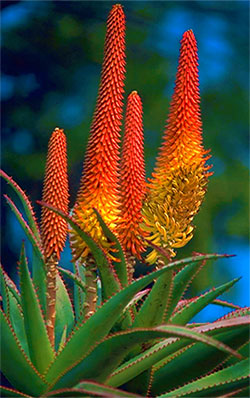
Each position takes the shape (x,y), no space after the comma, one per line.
(157,353)
(41,354)
(26,204)
(110,281)
(180,284)
(79,292)
(27,379)
(226,380)
(86,388)
(153,309)
(100,324)
(64,311)
(99,363)
(185,314)
(176,370)
(9,392)
(121,263)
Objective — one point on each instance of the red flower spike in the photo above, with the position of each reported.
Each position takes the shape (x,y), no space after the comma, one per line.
(132,181)
(99,182)
(55,192)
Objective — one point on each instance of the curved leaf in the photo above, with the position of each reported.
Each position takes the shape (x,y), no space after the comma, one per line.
(176,371)
(154,307)
(99,324)
(26,204)
(64,311)
(93,389)
(26,379)
(182,281)
(110,281)
(121,265)
(226,380)
(161,351)
(30,235)
(41,352)
(186,313)
(9,392)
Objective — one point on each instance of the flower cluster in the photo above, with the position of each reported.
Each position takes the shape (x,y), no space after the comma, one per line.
(160,211)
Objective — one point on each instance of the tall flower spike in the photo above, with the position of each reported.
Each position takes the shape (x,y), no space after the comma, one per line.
(132,181)
(180,176)
(99,182)
(53,227)
(55,192)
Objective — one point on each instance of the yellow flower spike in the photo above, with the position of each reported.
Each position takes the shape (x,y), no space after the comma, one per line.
(179,181)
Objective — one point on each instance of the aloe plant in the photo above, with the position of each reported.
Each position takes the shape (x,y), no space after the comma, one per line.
(111,335)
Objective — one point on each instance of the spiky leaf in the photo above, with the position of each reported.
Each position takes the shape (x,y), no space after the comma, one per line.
(41,352)
(99,324)
(154,307)
(64,311)
(26,379)
(121,264)
(186,313)
(93,389)
(110,282)
(226,380)
(25,202)
(9,392)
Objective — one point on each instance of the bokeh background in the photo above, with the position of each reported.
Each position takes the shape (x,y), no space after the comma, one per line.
(51,61)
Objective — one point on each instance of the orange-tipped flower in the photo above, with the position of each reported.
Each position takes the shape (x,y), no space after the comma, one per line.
(99,182)
(180,176)
(56,193)
(133,185)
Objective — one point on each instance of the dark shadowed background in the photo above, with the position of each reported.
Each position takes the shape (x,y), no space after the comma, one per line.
(51,60)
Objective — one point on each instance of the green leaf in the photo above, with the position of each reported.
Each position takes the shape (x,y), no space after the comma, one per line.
(26,204)
(181,282)
(107,356)
(184,315)
(226,304)
(38,264)
(226,380)
(41,352)
(110,282)
(79,290)
(153,309)
(30,235)
(4,293)
(64,311)
(176,370)
(74,277)
(93,389)
(99,324)
(26,378)
(9,392)
(160,352)
(121,265)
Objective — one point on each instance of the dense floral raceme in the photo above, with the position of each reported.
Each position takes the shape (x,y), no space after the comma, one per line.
(55,192)
(100,178)
(132,180)
(179,181)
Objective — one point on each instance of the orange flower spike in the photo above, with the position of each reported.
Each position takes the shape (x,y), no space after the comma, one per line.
(100,178)
(55,192)
(180,177)
(132,181)
(182,142)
